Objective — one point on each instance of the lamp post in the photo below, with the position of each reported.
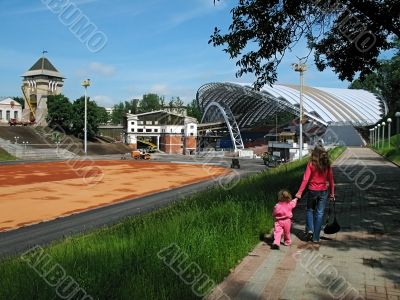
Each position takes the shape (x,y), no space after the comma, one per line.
(376,135)
(397,115)
(379,129)
(383,134)
(16,138)
(370,136)
(301,68)
(85,84)
(389,121)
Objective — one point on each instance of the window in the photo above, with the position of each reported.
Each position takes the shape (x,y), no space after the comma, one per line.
(133,129)
(191,126)
(1,115)
(132,123)
(182,131)
(155,122)
(140,122)
(140,130)
(155,130)
(191,133)
(16,115)
(8,115)
(148,130)
(149,122)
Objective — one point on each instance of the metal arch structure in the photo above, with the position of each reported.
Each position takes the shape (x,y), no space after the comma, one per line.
(230,121)
(322,105)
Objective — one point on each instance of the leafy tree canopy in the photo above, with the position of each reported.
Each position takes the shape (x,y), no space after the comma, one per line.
(94,118)
(20,100)
(193,110)
(384,81)
(59,112)
(345,35)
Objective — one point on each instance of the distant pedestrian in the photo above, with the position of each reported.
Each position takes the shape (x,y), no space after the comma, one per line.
(316,176)
(283,218)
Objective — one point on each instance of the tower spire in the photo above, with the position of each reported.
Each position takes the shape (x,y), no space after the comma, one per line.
(43,52)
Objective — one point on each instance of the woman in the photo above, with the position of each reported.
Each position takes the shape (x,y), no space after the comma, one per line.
(316,176)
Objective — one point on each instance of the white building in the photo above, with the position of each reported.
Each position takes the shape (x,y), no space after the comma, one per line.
(168,132)
(10,109)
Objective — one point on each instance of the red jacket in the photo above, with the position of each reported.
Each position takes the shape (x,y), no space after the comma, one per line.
(283,209)
(317,180)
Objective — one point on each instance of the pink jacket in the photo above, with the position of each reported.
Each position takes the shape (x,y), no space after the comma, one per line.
(317,180)
(283,209)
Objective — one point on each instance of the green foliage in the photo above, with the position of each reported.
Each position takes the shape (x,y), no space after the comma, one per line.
(94,118)
(385,81)
(150,102)
(59,112)
(346,36)
(20,100)
(117,115)
(391,151)
(193,110)
(103,115)
(5,156)
(215,228)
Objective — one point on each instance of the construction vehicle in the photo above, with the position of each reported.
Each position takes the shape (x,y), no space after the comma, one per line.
(136,154)
(151,147)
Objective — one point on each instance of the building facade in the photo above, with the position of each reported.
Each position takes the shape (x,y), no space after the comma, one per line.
(165,131)
(39,82)
(10,109)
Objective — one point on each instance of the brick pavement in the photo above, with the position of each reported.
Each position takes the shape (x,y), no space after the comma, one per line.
(362,261)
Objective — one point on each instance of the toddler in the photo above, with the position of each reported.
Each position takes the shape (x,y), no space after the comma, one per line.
(283,218)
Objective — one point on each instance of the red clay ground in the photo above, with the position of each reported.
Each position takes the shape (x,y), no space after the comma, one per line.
(32,193)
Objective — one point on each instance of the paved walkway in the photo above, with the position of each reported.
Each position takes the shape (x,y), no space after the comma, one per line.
(362,261)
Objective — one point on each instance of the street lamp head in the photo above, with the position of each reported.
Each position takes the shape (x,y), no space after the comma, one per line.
(383,123)
(397,114)
(389,120)
(86,83)
(379,125)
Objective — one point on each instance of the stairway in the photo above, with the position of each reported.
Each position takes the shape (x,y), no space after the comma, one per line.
(27,152)
(345,135)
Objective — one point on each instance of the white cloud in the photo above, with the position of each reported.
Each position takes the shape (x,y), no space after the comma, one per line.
(96,68)
(160,89)
(102,69)
(103,100)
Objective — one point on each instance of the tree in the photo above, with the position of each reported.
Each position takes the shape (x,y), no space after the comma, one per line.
(118,113)
(150,102)
(385,81)
(20,101)
(103,115)
(193,110)
(59,112)
(345,35)
(78,118)
(132,106)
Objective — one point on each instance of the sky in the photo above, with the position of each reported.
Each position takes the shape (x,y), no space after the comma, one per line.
(138,47)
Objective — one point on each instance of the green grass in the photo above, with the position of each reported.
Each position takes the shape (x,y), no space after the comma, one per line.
(215,228)
(390,152)
(5,156)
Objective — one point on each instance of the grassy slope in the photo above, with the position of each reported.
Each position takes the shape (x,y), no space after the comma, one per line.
(215,228)
(4,156)
(391,152)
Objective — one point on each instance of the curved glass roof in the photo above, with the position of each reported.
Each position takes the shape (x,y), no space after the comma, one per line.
(324,105)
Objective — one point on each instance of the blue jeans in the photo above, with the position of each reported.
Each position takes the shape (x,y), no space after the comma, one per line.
(316,203)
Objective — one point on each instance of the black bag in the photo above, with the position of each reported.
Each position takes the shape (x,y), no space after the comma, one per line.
(334,227)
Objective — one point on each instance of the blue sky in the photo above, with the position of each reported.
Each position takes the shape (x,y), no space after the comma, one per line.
(155,46)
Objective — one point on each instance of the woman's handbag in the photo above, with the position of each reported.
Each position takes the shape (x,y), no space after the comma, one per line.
(334,227)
